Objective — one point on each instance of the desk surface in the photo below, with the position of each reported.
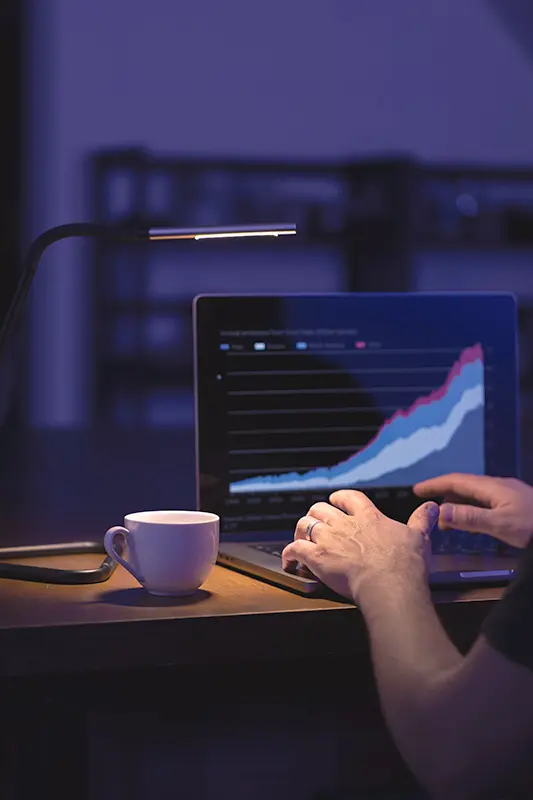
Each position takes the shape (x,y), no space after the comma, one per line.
(48,629)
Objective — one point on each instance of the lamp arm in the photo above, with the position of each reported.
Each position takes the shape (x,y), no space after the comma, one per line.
(35,252)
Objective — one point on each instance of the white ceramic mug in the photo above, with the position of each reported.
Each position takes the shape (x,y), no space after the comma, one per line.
(170,553)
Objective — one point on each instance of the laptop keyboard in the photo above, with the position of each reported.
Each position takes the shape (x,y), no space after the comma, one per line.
(274,548)
(442,543)
(462,542)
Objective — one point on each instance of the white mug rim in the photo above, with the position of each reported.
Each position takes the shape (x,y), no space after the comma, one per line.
(195,517)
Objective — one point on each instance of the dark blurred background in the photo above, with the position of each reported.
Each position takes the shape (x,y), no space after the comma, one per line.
(399,136)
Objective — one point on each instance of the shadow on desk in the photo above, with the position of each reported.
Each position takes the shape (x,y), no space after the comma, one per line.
(139,598)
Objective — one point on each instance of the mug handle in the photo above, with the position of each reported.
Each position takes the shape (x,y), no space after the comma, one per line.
(109,544)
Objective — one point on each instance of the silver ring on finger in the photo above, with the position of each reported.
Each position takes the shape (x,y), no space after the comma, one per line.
(309,530)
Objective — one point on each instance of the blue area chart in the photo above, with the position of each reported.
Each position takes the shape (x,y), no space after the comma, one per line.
(440,432)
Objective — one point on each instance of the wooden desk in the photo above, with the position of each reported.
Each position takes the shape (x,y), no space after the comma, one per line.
(57,630)
(253,671)
(244,690)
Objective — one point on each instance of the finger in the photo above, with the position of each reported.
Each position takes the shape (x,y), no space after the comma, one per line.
(466,518)
(302,552)
(303,527)
(475,487)
(351,501)
(325,513)
(423,519)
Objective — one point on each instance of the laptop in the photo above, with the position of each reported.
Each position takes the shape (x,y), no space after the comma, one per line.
(299,395)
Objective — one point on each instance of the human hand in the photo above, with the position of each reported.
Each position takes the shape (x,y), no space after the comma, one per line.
(501,507)
(353,545)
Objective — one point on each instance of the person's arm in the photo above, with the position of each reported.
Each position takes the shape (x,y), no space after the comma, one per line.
(463,725)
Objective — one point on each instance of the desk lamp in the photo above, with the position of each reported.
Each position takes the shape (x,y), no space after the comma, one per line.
(29,268)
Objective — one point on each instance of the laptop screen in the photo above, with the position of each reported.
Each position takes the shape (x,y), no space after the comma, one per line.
(299,395)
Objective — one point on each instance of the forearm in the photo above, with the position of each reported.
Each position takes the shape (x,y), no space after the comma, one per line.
(412,658)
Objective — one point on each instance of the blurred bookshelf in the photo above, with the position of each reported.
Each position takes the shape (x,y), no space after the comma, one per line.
(391,224)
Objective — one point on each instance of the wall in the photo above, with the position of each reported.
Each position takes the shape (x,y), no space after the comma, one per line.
(288,78)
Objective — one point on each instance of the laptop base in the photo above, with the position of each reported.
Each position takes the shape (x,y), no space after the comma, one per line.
(447,571)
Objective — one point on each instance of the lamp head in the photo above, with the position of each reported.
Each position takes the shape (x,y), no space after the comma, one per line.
(221,232)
